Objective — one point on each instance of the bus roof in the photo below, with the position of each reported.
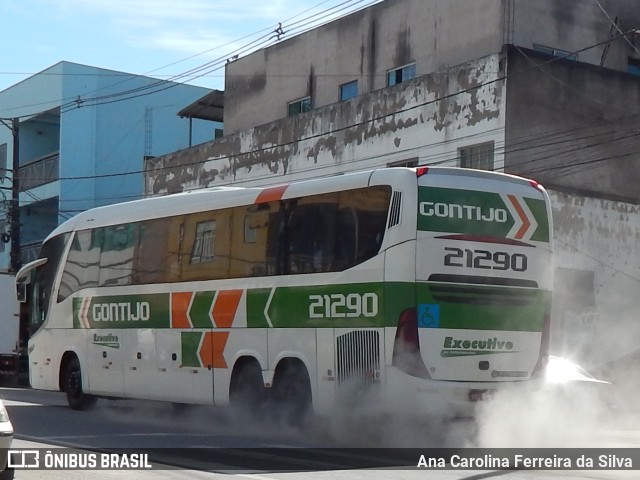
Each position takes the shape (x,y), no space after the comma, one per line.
(206,199)
(226,197)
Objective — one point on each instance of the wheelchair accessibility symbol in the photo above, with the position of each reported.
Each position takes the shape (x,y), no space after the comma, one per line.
(428,315)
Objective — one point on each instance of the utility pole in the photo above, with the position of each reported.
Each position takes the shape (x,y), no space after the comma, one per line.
(14,210)
(14,204)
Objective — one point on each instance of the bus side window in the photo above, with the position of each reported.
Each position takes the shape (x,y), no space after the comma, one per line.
(276,242)
(206,246)
(117,254)
(157,251)
(82,266)
(361,225)
(249,234)
(311,232)
(373,206)
(346,239)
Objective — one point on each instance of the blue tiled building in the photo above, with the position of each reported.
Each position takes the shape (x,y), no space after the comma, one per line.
(84,133)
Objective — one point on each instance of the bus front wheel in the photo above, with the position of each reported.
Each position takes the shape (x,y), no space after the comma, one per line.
(76,397)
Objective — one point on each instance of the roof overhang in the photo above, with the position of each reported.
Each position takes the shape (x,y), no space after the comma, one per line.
(209,107)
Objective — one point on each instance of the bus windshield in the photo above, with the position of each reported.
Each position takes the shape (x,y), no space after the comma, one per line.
(40,281)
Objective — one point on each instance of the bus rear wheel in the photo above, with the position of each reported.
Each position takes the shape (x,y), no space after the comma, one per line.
(291,393)
(246,392)
(76,397)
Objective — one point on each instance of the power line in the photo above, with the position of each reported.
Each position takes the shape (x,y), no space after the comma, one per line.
(615,25)
(534,66)
(211,66)
(189,75)
(445,158)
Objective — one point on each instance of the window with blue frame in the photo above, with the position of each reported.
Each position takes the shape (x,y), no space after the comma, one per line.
(401,74)
(299,106)
(348,90)
(633,66)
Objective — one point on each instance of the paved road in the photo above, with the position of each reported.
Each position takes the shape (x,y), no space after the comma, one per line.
(251,450)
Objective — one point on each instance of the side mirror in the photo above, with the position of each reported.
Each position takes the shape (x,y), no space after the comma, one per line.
(21,292)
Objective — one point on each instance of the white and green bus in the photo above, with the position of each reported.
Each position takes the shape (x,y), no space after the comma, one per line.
(433,278)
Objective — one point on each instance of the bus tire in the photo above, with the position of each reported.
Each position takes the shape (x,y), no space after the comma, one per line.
(291,393)
(246,391)
(77,399)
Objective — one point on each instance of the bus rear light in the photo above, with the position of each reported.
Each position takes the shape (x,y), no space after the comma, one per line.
(534,184)
(420,171)
(406,347)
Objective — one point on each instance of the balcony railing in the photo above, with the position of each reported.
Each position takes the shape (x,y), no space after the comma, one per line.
(44,170)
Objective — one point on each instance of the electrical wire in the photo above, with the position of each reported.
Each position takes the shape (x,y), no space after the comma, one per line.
(207,68)
(615,25)
(190,75)
(336,130)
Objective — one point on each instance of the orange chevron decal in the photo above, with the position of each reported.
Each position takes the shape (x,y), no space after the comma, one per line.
(219,342)
(523,216)
(271,194)
(179,306)
(211,351)
(205,353)
(225,307)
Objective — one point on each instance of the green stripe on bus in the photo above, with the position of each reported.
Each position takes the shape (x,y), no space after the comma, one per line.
(348,305)
(374,304)
(201,309)
(122,311)
(189,342)
(364,305)
(485,308)
(398,296)
(473,212)
(539,210)
(256,302)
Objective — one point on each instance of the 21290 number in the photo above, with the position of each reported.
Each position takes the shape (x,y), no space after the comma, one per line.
(339,305)
(485,259)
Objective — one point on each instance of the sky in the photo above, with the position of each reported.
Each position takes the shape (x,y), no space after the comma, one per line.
(182,40)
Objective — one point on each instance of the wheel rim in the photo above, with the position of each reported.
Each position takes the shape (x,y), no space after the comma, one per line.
(74,387)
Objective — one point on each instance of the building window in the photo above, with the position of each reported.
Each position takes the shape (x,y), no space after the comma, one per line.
(299,106)
(203,243)
(479,156)
(401,74)
(556,52)
(348,90)
(410,162)
(633,66)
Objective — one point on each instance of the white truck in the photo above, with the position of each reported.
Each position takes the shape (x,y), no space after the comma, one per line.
(9,329)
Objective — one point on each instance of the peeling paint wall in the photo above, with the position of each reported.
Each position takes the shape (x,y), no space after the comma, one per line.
(434,34)
(597,282)
(427,119)
(362,46)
